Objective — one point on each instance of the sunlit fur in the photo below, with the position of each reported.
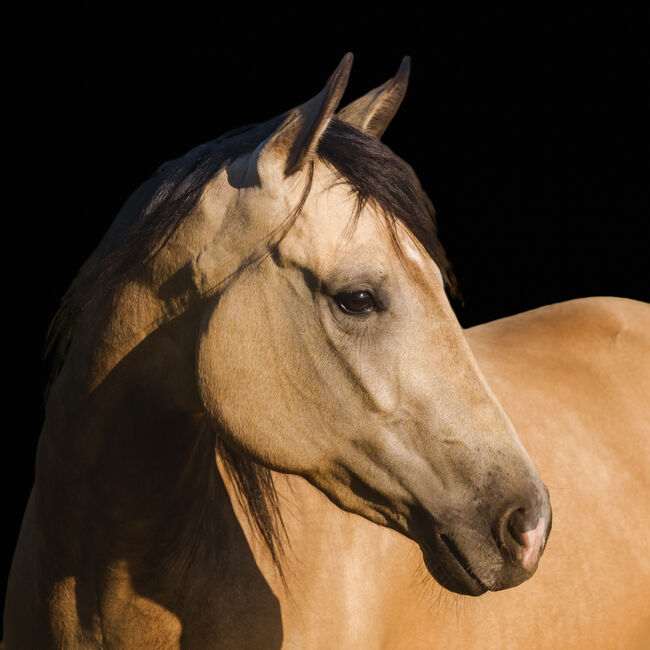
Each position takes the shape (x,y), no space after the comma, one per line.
(229,460)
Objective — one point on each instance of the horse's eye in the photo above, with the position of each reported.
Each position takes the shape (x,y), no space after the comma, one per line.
(356,302)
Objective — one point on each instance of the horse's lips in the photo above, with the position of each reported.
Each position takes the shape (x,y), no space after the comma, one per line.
(450,570)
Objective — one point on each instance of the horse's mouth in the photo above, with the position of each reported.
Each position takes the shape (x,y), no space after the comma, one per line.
(451,569)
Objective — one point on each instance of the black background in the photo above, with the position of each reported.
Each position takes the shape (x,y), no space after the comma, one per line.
(527,129)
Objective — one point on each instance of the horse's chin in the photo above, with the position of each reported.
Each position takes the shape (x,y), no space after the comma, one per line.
(451,571)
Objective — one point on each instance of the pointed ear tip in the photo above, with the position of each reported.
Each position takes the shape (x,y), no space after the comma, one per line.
(338,80)
(346,63)
(404,66)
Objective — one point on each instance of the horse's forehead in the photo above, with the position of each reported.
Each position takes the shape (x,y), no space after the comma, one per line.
(331,227)
(330,195)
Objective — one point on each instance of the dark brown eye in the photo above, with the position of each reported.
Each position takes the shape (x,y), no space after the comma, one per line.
(356,302)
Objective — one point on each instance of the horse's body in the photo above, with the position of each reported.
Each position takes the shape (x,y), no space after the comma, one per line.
(137,535)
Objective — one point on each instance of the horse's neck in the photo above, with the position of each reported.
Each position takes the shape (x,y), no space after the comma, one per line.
(129,503)
(339,567)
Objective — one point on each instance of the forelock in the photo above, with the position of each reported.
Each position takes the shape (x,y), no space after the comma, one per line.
(379,177)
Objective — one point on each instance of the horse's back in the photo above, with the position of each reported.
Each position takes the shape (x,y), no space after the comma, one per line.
(586,360)
(574,378)
(587,328)
(583,322)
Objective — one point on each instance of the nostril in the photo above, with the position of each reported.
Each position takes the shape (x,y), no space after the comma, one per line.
(507,532)
(520,535)
(517,525)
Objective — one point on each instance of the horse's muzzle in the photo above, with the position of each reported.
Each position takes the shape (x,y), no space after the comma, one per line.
(471,560)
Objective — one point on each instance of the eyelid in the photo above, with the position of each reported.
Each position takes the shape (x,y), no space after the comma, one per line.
(354,279)
(352,287)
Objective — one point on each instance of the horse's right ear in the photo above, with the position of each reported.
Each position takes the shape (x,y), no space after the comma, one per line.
(295,141)
(374,111)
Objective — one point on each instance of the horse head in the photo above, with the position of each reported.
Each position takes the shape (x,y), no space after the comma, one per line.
(328,347)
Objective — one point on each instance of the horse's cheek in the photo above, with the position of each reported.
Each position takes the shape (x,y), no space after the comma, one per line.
(242,390)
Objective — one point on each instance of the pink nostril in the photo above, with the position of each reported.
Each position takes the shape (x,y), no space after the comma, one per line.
(520,543)
(532,541)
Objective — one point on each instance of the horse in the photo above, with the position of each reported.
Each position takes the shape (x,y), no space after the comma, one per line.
(266,427)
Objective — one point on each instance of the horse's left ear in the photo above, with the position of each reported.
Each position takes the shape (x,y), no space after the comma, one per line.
(374,111)
(295,141)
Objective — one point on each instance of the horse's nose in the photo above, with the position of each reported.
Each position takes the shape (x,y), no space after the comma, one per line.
(522,534)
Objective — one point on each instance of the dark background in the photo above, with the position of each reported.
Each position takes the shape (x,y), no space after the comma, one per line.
(528,130)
